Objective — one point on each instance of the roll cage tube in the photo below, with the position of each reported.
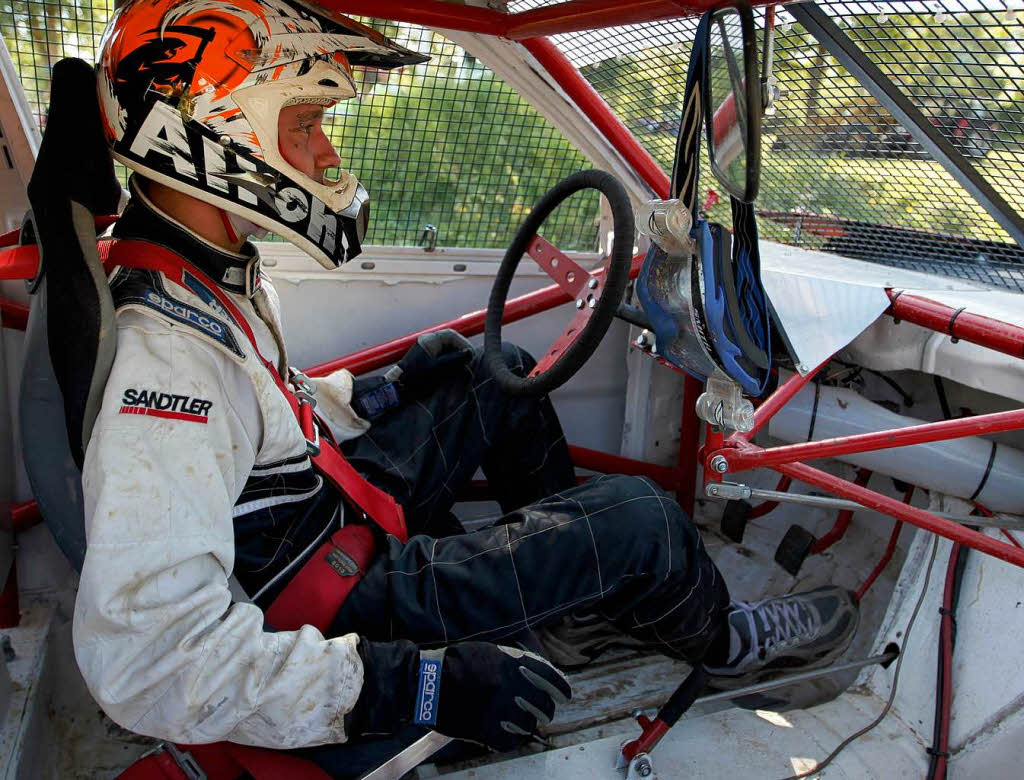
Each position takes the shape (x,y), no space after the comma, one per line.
(722,456)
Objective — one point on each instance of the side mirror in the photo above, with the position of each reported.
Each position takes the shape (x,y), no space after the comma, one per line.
(733,99)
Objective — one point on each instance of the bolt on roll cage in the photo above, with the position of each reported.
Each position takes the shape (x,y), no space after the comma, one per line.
(737,452)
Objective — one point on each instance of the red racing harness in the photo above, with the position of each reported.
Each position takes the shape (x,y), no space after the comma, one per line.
(315,594)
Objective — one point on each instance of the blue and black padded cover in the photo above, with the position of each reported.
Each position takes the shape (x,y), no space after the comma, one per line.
(707,306)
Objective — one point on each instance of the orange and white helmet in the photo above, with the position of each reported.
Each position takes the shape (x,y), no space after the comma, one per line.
(190,92)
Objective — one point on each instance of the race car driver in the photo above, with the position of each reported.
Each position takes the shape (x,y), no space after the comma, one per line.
(198,471)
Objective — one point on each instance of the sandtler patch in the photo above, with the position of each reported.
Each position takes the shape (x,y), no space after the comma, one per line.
(170,406)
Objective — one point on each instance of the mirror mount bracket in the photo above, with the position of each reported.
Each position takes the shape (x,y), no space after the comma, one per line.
(769,89)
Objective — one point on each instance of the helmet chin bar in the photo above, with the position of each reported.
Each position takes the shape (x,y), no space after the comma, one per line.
(245,228)
(261,104)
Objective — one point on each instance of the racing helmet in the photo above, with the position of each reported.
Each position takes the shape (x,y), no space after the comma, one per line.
(190,92)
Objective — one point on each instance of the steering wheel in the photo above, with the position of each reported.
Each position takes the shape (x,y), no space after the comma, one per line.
(597,294)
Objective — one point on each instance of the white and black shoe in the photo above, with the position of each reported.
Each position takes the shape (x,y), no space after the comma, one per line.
(801,630)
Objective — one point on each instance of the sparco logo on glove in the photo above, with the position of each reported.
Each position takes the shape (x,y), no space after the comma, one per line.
(429,687)
(167,405)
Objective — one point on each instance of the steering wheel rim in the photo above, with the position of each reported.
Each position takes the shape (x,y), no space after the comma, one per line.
(594,320)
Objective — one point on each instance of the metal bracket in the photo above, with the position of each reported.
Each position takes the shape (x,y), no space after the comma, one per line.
(729,491)
(641,768)
(722,404)
(429,238)
(186,762)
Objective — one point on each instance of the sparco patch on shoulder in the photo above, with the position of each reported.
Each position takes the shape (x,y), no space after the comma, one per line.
(144,287)
(167,405)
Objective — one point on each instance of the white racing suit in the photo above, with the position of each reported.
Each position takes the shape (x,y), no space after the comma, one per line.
(193,441)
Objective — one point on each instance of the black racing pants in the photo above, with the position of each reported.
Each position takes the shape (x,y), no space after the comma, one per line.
(615,545)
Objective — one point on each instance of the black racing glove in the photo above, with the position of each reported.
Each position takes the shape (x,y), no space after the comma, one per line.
(433,356)
(477,691)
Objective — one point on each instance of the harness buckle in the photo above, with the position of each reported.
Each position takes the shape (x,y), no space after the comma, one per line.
(305,389)
(186,762)
(303,384)
(312,445)
(305,398)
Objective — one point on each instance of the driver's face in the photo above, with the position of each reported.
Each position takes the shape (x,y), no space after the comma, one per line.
(303,142)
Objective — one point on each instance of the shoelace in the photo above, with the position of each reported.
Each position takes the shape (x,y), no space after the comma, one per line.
(784,622)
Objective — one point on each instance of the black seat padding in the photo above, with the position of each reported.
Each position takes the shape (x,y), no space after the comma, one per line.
(55,477)
(71,337)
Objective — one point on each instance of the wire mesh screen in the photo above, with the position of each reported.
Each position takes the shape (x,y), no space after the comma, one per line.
(449,144)
(38,33)
(838,172)
(445,144)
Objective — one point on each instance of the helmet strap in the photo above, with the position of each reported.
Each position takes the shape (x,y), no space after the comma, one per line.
(228,227)
(239,227)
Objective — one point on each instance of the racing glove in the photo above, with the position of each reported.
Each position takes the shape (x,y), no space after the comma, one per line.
(433,357)
(477,691)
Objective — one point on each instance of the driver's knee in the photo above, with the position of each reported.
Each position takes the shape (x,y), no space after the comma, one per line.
(519,361)
(637,523)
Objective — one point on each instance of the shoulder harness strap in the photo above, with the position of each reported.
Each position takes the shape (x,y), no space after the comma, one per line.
(374,502)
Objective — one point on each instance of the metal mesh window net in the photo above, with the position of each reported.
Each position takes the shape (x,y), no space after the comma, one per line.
(839,173)
(445,143)
(448,144)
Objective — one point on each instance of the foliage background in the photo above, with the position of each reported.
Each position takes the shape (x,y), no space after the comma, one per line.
(444,143)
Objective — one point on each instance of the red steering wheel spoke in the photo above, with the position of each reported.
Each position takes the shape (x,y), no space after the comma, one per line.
(566,340)
(567,274)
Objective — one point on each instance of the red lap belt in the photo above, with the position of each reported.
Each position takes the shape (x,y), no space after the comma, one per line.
(222,761)
(381,508)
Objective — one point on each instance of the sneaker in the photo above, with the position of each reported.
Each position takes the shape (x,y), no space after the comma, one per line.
(577,640)
(804,630)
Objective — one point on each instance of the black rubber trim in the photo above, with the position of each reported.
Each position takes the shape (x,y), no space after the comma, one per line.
(892,306)
(604,309)
(988,470)
(814,411)
(952,322)
(684,696)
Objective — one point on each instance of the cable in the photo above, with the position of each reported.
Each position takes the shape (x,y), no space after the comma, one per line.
(907,398)
(940,390)
(895,679)
(890,548)
(939,750)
